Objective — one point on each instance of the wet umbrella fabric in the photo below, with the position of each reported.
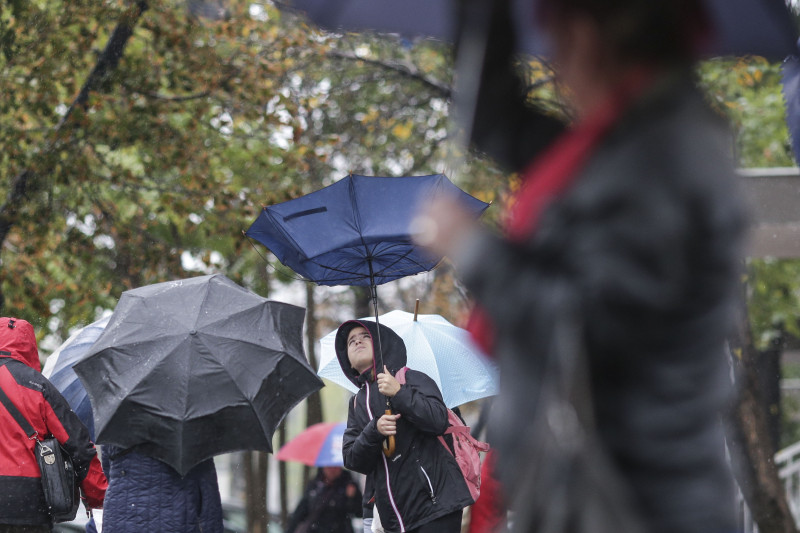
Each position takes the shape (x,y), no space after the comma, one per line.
(189,369)
(434,346)
(356,231)
(317,445)
(58,369)
(743,27)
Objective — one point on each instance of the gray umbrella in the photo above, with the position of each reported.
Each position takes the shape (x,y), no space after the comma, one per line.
(189,369)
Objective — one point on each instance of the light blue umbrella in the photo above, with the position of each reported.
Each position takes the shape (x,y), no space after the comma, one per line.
(436,347)
(58,369)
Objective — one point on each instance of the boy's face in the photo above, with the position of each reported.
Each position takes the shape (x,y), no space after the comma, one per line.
(359,348)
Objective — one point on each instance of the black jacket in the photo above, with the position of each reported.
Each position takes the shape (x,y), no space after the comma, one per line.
(642,255)
(421,481)
(328,505)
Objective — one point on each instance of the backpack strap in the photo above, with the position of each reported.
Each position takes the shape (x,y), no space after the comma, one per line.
(400,376)
(14,412)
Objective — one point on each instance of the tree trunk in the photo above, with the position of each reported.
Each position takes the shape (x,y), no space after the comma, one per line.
(769,372)
(752,451)
(256,491)
(363,302)
(314,413)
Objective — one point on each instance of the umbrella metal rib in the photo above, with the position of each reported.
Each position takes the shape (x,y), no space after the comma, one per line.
(354,276)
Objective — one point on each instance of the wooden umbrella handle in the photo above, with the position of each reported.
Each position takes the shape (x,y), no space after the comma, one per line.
(388,443)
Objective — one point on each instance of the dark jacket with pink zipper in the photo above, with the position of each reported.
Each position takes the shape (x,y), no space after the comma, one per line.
(421,481)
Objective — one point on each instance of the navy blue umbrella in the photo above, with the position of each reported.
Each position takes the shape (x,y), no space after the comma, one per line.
(356,231)
(58,369)
(742,27)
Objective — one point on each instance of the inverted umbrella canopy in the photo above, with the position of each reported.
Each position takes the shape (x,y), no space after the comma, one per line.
(434,346)
(58,369)
(742,27)
(356,231)
(317,445)
(192,368)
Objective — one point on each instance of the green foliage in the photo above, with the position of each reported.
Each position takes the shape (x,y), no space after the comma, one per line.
(748,92)
(200,124)
(773,301)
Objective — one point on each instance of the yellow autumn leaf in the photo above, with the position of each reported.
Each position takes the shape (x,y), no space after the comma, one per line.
(402,131)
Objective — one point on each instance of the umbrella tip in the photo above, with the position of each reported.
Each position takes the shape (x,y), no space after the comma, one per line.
(416,310)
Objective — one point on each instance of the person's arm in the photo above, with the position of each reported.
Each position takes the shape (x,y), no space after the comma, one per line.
(420,402)
(361,443)
(72,434)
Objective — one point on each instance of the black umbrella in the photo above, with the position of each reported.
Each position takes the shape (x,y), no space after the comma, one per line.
(189,369)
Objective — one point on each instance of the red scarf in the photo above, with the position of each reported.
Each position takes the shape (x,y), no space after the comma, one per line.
(548,176)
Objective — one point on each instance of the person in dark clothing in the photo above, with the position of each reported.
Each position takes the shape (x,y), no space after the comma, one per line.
(419,487)
(616,275)
(329,503)
(22,505)
(145,494)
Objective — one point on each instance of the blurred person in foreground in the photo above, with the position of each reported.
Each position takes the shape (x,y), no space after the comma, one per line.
(22,505)
(609,296)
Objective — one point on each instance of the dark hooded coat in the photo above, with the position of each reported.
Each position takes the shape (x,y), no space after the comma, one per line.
(145,494)
(421,481)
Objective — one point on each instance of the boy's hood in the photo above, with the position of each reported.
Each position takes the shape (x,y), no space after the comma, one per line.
(392,347)
(18,339)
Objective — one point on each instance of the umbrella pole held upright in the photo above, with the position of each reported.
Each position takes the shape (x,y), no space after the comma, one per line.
(389,443)
(329,244)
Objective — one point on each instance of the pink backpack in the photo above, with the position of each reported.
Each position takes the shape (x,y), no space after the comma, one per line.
(466,446)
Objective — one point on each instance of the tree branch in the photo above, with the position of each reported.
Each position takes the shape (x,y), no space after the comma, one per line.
(27,182)
(407,70)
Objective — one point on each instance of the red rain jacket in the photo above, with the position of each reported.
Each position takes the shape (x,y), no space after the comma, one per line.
(21,496)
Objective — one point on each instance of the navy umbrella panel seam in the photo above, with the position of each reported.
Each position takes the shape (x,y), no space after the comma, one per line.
(359,227)
(286,235)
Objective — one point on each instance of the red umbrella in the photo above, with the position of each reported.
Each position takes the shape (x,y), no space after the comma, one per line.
(317,445)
